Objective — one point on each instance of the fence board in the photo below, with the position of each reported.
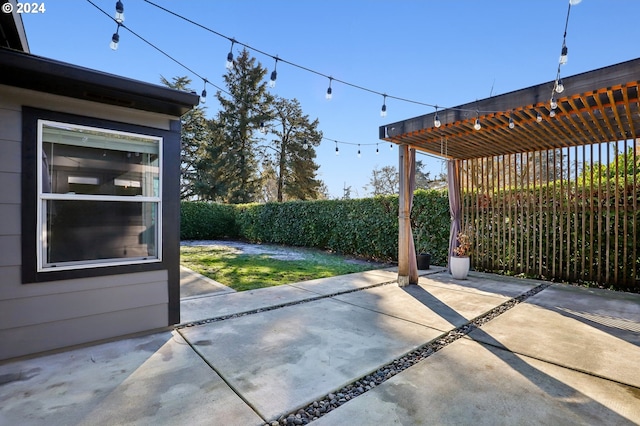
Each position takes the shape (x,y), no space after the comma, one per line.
(564,215)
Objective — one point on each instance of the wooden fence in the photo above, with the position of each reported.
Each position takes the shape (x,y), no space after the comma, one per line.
(562,214)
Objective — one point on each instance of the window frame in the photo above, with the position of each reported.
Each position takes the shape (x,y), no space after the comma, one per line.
(43,197)
(170,195)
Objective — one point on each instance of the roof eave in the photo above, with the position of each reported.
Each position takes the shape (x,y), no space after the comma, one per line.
(50,76)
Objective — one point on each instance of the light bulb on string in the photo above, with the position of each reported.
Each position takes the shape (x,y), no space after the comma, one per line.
(359,153)
(263,128)
(511,122)
(559,87)
(329,94)
(229,63)
(477,124)
(391,147)
(337,149)
(377,150)
(305,145)
(383,110)
(119,17)
(203,96)
(564,54)
(552,113)
(539,117)
(274,74)
(115,39)
(436,120)
(553,103)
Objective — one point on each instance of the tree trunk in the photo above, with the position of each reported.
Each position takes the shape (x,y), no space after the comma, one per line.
(281,171)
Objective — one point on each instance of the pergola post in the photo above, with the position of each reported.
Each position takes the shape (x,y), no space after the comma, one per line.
(407,266)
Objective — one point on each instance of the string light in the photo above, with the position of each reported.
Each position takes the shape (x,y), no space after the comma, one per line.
(305,145)
(203,96)
(274,74)
(115,39)
(377,150)
(119,17)
(359,154)
(563,54)
(383,111)
(229,64)
(329,94)
(436,120)
(538,117)
(477,124)
(511,123)
(263,128)
(558,87)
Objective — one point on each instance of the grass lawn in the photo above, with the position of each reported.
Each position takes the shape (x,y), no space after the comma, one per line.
(250,271)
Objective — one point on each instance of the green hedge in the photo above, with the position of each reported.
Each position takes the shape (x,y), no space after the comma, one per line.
(365,227)
(205,221)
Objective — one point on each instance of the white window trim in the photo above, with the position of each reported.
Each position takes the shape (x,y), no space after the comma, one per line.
(43,197)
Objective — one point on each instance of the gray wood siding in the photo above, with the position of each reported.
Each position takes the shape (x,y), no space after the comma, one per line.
(45,316)
(59,334)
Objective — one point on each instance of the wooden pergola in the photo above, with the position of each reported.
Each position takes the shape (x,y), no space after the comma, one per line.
(595,107)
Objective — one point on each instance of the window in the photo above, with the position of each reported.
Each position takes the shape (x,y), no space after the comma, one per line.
(99,197)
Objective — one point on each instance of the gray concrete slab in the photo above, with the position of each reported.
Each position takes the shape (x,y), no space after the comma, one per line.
(481,283)
(342,283)
(283,359)
(156,379)
(194,309)
(471,383)
(193,284)
(437,307)
(205,307)
(594,331)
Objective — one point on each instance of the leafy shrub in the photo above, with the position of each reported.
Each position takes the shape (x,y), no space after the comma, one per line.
(202,220)
(365,227)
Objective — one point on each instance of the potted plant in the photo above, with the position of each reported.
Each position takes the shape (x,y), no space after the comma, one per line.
(423,259)
(460,262)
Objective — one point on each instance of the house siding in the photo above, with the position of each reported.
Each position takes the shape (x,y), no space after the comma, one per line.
(50,315)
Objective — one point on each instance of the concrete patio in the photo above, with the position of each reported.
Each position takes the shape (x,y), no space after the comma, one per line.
(565,355)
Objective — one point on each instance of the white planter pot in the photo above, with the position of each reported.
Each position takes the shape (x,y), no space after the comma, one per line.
(459,267)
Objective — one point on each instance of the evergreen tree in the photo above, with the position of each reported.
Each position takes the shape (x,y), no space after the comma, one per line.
(243,109)
(212,175)
(194,137)
(294,152)
(423,179)
(269,178)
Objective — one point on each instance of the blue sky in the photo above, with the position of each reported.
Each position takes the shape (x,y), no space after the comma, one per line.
(435,52)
